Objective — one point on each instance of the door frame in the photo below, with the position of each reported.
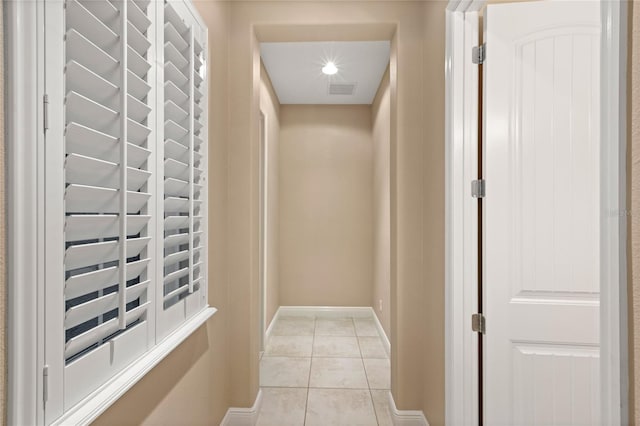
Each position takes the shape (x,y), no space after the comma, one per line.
(461,231)
(264,209)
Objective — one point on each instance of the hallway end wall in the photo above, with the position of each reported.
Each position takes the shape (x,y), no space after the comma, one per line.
(191,385)
(381,122)
(270,107)
(325,205)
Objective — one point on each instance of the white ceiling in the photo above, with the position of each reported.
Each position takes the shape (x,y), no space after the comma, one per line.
(295,70)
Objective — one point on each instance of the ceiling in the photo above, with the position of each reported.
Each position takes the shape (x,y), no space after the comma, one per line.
(295,70)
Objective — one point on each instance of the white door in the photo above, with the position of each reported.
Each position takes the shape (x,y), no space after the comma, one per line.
(541,270)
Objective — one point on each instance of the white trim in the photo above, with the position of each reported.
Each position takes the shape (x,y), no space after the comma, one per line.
(461,370)
(613,232)
(461,394)
(406,417)
(97,402)
(326,311)
(243,416)
(24,87)
(383,335)
(269,330)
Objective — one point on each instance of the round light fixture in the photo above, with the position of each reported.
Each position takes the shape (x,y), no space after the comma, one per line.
(330,68)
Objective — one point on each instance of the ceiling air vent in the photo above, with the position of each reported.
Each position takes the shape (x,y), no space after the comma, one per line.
(342,89)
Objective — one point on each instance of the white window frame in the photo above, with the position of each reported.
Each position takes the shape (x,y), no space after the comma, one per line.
(461,399)
(25,53)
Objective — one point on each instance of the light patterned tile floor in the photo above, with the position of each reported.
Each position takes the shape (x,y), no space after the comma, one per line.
(319,371)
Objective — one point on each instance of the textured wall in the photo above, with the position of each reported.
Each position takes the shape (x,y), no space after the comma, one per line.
(381,122)
(270,106)
(325,205)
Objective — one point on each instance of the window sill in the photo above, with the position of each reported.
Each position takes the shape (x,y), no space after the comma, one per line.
(95,404)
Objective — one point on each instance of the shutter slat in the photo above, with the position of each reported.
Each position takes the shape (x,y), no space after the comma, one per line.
(79,314)
(171,53)
(175,293)
(137,40)
(173,149)
(89,338)
(197,111)
(92,143)
(137,87)
(83,110)
(172,73)
(137,110)
(174,93)
(176,169)
(174,276)
(137,63)
(83,255)
(197,48)
(103,10)
(172,16)
(89,84)
(176,187)
(172,223)
(197,63)
(89,282)
(176,240)
(138,18)
(80,49)
(174,258)
(89,171)
(172,35)
(197,94)
(176,205)
(91,199)
(136,132)
(86,227)
(83,21)
(173,130)
(197,79)
(174,112)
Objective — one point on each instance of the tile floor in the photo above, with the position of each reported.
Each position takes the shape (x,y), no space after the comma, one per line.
(324,371)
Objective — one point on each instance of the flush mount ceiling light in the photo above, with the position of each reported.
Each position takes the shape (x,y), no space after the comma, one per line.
(330,68)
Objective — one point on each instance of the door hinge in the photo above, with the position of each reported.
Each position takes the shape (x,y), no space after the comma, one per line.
(479,54)
(478,188)
(478,323)
(45,383)
(45,113)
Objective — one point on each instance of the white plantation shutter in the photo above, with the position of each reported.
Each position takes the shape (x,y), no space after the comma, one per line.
(100,170)
(124,179)
(183,173)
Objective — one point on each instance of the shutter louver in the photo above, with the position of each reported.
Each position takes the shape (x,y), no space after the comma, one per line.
(183,123)
(107,172)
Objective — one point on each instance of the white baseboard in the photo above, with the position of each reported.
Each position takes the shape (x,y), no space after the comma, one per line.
(325,311)
(383,335)
(406,417)
(243,416)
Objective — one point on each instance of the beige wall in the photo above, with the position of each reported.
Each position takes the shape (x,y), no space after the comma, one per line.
(325,205)
(381,122)
(270,107)
(191,386)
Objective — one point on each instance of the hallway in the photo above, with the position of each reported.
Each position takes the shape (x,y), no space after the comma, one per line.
(324,371)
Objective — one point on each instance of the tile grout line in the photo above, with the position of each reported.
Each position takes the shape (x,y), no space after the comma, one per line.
(364,367)
(313,339)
